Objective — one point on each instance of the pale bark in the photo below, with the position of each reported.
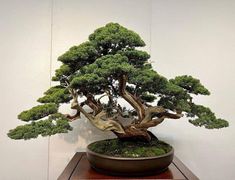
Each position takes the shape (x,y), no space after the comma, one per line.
(130,98)
(152,123)
(99,120)
(93,104)
(150,112)
(147,116)
(131,132)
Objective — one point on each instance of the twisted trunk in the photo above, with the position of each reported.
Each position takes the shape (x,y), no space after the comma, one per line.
(98,120)
(133,133)
(145,116)
(153,117)
(93,104)
(149,117)
(138,106)
(101,122)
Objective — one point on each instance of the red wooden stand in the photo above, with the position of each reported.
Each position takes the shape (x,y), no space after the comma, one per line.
(79,168)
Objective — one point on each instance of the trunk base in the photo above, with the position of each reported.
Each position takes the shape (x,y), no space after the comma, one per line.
(133,134)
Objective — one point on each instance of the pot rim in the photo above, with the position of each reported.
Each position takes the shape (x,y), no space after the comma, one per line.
(88,151)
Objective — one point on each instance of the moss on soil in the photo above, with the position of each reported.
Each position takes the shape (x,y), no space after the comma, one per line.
(117,148)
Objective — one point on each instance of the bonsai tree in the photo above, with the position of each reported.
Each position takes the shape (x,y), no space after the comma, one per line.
(111,65)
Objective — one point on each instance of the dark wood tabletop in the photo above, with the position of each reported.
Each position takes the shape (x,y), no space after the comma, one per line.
(79,168)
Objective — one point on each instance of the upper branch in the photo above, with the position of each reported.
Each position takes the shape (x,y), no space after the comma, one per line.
(130,98)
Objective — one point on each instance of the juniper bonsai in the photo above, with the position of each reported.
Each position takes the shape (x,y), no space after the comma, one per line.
(111,65)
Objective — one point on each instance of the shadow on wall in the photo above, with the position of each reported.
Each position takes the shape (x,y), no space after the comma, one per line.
(84,133)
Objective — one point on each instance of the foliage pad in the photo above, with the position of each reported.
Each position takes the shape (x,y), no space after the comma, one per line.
(38,112)
(206,118)
(56,123)
(56,95)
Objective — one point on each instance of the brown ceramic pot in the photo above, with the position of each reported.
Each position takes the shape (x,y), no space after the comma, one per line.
(129,166)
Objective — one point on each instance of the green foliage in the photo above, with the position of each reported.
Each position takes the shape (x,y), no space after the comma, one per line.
(96,76)
(80,55)
(147,97)
(171,89)
(210,123)
(86,79)
(64,70)
(135,57)
(53,89)
(147,80)
(200,111)
(56,94)
(114,37)
(191,84)
(38,112)
(174,97)
(113,65)
(206,118)
(91,83)
(173,104)
(56,123)
(109,66)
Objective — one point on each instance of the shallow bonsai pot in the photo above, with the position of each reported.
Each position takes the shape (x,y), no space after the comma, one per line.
(124,166)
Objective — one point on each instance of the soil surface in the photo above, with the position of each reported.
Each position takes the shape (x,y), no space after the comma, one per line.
(118,148)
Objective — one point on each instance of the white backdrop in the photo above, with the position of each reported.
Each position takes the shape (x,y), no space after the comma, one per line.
(24,75)
(197,38)
(183,37)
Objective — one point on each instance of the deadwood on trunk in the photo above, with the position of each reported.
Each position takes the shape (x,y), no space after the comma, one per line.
(99,120)
(130,98)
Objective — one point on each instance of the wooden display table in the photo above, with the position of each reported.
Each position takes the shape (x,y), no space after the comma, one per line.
(79,168)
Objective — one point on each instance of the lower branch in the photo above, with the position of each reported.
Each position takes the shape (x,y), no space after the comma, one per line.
(152,123)
(97,120)
(150,112)
(93,104)
(160,113)
(101,122)
(170,115)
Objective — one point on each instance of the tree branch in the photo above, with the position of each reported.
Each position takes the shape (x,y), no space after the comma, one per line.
(135,91)
(97,120)
(152,123)
(113,88)
(130,98)
(170,115)
(93,104)
(150,112)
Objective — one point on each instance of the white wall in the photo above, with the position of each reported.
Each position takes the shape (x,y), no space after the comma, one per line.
(187,37)
(197,38)
(24,75)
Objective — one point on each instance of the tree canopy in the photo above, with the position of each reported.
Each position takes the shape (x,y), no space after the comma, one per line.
(110,63)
